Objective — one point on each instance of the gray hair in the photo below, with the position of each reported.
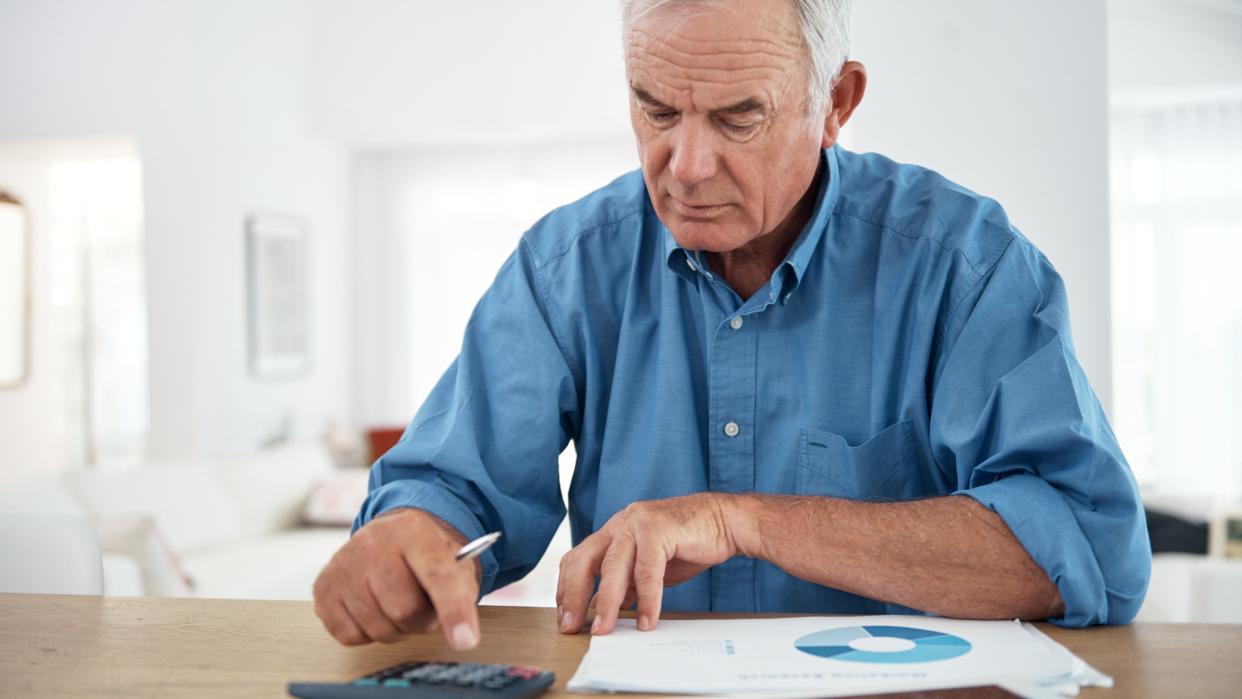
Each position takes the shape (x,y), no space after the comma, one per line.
(825,28)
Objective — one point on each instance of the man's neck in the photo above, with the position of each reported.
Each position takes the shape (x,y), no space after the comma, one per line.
(749,267)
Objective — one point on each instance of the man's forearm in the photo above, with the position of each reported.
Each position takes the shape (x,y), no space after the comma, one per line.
(950,556)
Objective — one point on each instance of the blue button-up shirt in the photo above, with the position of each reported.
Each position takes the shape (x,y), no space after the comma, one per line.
(912,344)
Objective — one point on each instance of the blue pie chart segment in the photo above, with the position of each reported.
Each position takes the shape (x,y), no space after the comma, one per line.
(929,645)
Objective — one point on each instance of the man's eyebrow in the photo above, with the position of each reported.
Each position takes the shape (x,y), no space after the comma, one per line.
(750,104)
(643,96)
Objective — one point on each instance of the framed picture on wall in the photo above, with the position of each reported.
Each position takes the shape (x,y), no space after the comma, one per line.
(278,295)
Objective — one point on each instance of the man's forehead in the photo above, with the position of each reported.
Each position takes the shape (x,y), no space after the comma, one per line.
(713,55)
(771,25)
(710,90)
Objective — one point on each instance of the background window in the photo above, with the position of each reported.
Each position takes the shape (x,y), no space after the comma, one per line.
(1177,288)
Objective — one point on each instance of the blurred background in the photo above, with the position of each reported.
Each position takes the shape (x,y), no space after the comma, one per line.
(239,242)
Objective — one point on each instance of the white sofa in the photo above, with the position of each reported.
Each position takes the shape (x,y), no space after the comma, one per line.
(1193,588)
(232,526)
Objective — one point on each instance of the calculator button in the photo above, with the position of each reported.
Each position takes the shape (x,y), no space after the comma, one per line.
(523,672)
(395,671)
(492,671)
(418,672)
(396,683)
(436,678)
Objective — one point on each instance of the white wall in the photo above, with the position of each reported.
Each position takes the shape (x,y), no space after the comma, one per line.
(1010,100)
(215,95)
(1173,44)
(390,72)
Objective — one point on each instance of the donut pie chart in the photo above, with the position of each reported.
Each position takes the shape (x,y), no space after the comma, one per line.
(883,644)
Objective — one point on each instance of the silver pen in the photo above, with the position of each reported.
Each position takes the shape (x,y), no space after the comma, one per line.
(477,547)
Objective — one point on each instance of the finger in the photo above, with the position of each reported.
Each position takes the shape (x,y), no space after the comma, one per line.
(560,591)
(614,581)
(335,618)
(400,599)
(649,584)
(361,605)
(631,596)
(389,631)
(453,590)
(343,627)
(577,580)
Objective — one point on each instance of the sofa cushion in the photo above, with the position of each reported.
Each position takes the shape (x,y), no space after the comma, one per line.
(122,576)
(48,553)
(191,507)
(271,486)
(335,500)
(137,537)
(49,495)
(278,566)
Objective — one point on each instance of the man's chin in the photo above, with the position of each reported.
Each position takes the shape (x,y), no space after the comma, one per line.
(708,236)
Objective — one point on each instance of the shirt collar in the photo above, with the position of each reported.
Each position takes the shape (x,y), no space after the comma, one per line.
(679,259)
(688,264)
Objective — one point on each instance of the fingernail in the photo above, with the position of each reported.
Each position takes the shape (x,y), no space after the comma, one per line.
(464,638)
(567,621)
(644,623)
(597,624)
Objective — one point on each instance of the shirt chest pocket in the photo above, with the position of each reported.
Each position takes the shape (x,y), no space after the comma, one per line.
(883,467)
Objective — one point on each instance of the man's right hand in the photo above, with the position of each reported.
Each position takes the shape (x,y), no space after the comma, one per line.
(397,576)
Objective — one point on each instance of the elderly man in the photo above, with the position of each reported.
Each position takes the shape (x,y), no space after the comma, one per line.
(798,380)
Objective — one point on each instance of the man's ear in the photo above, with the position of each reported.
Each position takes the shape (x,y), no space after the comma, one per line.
(847,92)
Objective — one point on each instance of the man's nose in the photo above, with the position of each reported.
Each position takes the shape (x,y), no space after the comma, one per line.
(694,157)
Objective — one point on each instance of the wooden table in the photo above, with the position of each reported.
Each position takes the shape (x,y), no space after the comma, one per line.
(69,646)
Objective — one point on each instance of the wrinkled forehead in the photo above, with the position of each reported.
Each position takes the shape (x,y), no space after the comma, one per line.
(703,55)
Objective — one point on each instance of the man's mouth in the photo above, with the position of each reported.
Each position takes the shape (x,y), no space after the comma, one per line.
(696,209)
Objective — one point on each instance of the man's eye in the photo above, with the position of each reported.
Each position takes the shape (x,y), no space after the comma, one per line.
(661,117)
(739,129)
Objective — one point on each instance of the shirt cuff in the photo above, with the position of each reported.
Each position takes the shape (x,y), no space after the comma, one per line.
(1044,524)
(439,502)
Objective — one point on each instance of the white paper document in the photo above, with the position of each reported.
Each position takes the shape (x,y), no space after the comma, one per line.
(826,656)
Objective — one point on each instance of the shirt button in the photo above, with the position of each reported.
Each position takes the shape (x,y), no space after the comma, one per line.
(690,264)
(736,323)
(731,429)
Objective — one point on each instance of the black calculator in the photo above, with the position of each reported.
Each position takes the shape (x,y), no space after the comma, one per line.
(423,680)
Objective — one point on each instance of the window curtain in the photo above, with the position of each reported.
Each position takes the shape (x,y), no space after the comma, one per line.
(1177,289)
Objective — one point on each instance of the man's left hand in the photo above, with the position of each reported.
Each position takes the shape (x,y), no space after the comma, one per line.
(644,548)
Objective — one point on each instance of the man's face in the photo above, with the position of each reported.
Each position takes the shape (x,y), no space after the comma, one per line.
(718,100)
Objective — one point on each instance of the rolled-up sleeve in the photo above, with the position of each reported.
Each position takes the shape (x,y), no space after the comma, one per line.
(1015,420)
(482,451)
